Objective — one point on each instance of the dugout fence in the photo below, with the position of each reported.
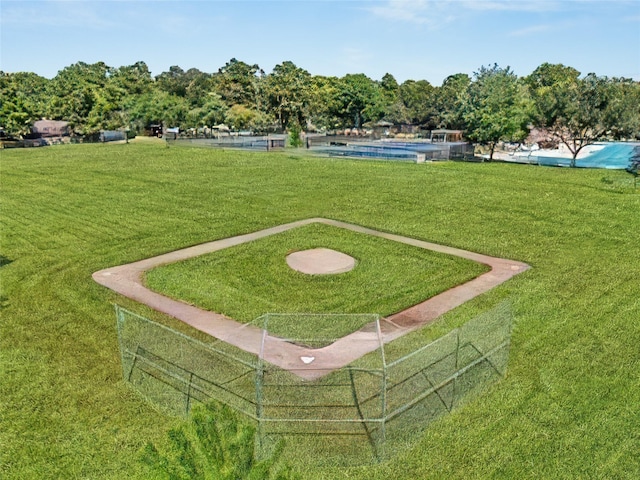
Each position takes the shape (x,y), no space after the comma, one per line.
(363,412)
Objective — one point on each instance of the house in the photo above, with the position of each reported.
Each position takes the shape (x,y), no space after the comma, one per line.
(50,128)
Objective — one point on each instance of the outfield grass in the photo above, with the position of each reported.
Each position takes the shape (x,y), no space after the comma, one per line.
(567,409)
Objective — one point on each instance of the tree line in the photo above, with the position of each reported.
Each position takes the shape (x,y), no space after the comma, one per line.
(492,105)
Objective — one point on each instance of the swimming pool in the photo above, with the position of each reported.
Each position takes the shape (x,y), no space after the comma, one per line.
(613,156)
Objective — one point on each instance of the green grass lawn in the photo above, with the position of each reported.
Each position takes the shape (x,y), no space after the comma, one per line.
(249,280)
(568,407)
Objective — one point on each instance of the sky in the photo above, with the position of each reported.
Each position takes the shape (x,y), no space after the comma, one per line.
(410,39)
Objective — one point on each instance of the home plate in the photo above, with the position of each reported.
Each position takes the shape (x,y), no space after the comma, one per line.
(307,360)
(320,261)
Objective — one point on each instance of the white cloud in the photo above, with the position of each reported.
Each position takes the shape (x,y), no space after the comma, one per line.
(423,12)
(107,15)
(438,12)
(59,13)
(509,5)
(532,30)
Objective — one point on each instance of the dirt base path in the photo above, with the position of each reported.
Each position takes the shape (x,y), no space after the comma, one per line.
(305,362)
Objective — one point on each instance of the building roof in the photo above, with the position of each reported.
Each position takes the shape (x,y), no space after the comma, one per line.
(50,128)
(444,130)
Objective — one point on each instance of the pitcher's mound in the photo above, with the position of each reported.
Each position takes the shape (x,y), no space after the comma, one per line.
(320,261)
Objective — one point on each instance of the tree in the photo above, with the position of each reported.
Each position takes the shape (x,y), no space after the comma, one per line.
(324,105)
(240,117)
(214,445)
(238,83)
(173,82)
(204,105)
(132,79)
(157,107)
(448,102)
(123,84)
(22,101)
(212,112)
(287,91)
(75,91)
(579,111)
(105,113)
(389,88)
(360,100)
(497,107)
(417,98)
(624,109)
(395,110)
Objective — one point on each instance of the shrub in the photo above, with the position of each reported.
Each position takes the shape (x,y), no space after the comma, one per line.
(294,135)
(213,444)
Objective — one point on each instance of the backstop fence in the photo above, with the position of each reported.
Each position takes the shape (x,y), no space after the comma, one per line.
(358,413)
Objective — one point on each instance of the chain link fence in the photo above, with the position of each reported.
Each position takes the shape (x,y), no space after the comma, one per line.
(363,412)
(259,143)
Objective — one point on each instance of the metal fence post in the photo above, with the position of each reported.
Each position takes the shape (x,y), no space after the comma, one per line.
(454,397)
(120,328)
(259,381)
(188,406)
